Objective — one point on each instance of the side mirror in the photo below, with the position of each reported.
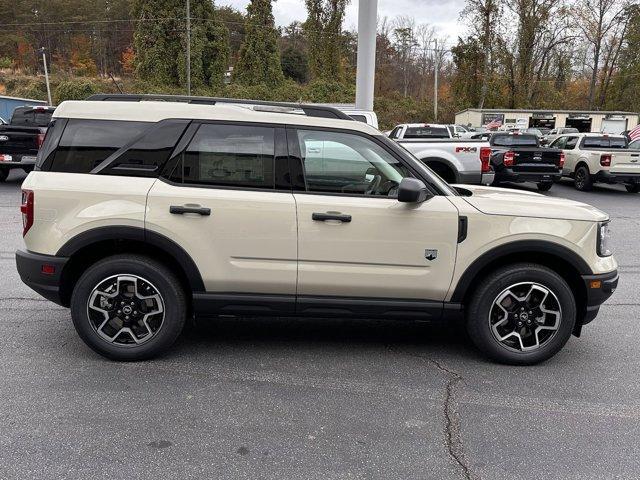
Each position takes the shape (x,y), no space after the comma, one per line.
(412,190)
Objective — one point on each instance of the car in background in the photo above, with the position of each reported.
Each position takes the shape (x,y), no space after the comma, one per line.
(421,131)
(556,132)
(21,139)
(365,116)
(521,158)
(460,131)
(599,158)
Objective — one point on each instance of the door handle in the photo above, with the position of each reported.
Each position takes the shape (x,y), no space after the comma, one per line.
(180,209)
(322,217)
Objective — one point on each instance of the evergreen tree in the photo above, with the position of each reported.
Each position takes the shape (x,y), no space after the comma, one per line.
(160,44)
(259,59)
(323,28)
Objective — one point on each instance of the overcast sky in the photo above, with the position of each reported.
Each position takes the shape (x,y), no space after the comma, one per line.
(443,14)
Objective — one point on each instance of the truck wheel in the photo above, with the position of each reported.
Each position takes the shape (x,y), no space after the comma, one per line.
(582,180)
(545,186)
(4,173)
(635,188)
(521,314)
(128,307)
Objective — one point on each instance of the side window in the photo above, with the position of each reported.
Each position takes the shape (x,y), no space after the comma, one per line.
(343,163)
(86,143)
(229,155)
(560,143)
(571,143)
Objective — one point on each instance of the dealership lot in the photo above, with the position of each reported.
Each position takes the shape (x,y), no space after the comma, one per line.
(282,398)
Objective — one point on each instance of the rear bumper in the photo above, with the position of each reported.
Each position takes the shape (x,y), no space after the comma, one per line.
(599,288)
(509,175)
(19,160)
(605,176)
(30,269)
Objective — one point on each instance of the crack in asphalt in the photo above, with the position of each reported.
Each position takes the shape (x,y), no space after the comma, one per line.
(453,439)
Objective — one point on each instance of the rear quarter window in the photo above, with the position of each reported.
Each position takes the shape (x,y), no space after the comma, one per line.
(604,142)
(84,144)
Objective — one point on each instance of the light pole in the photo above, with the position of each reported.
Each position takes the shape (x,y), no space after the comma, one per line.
(435,82)
(46,74)
(188,48)
(366,63)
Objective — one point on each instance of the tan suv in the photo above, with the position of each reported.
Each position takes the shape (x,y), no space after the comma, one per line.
(140,214)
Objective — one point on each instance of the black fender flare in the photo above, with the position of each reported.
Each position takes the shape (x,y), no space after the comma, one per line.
(446,163)
(122,232)
(548,248)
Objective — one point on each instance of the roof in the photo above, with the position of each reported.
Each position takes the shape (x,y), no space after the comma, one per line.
(4,97)
(533,110)
(153,111)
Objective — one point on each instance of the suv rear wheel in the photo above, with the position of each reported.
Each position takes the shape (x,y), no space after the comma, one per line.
(128,307)
(522,314)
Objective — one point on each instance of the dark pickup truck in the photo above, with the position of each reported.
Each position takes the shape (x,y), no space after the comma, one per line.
(21,139)
(520,158)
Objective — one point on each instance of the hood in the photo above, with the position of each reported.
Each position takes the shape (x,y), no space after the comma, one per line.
(519,203)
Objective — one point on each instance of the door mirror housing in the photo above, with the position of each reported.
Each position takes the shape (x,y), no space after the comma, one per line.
(412,190)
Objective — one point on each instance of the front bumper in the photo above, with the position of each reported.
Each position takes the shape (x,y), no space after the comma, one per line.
(32,267)
(599,288)
(604,176)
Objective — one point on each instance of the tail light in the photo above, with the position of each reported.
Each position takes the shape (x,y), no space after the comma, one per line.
(605,160)
(26,208)
(561,164)
(40,140)
(509,158)
(485,158)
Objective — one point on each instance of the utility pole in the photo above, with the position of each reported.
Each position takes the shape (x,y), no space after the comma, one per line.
(188,48)
(46,74)
(366,63)
(435,83)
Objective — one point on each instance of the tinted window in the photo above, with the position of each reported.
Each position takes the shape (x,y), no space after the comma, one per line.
(229,155)
(635,145)
(86,143)
(31,117)
(350,164)
(570,130)
(148,154)
(604,142)
(560,143)
(514,140)
(571,143)
(426,132)
(359,118)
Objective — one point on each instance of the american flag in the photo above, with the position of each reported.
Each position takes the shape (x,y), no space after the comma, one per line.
(497,124)
(635,133)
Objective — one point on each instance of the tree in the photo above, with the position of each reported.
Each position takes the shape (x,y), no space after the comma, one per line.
(259,59)
(323,29)
(405,44)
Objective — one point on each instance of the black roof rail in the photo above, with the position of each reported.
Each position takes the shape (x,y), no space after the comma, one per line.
(310,110)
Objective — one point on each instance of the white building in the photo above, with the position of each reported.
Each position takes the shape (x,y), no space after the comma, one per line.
(584,121)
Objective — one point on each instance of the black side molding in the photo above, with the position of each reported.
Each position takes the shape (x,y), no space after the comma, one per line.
(463,225)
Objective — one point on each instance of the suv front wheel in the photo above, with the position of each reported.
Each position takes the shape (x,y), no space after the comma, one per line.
(128,307)
(521,314)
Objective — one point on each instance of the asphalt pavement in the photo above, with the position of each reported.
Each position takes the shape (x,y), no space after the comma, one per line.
(319,399)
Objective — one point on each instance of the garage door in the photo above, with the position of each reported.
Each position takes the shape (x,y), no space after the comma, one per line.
(614,125)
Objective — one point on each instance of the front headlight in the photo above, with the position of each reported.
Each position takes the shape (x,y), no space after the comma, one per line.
(604,239)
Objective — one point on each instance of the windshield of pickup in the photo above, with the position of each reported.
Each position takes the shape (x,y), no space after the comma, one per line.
(426,131)
(604,142)
(507,140)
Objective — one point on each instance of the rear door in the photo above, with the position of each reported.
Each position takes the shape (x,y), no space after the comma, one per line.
(355,240)
(224,199)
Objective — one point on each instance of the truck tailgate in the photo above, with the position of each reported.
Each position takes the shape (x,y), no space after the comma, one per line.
(537,156)
(625,162)
(23,140)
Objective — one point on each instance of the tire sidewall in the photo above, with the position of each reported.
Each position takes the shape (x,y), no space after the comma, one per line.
(478,316)
(161,278)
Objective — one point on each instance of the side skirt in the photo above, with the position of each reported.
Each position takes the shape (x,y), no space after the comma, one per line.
(320,306)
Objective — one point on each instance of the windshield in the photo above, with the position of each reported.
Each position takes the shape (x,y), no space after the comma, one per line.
(426,132)
(604,142)
(514,140)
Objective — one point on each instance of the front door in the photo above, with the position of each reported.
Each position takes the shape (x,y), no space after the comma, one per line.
(354,238)
(222,205)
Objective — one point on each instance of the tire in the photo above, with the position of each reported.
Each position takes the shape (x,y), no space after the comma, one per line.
(156,322)
(635,188)
(582,179)
(545,186)
(485,319)
(4,173)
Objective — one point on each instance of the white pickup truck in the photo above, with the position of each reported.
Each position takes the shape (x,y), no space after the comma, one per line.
(456,160)
(599,158)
